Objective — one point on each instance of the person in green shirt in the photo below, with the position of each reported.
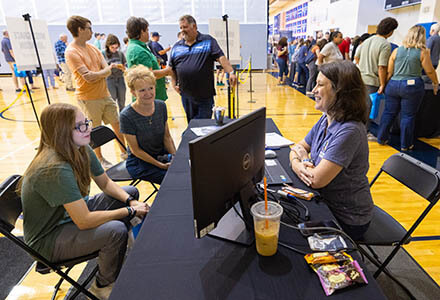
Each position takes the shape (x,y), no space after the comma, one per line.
(60,220)
(139,54)
(97,42)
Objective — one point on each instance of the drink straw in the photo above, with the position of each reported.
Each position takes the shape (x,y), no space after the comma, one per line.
(265,200)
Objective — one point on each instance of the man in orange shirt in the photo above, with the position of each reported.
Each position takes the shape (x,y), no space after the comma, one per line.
(90,69)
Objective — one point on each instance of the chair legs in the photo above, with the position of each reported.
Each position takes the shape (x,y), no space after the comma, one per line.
(387,260)
(135,182)
(152,193)
(88,279)
(57,286)
(374,259)
(79,287)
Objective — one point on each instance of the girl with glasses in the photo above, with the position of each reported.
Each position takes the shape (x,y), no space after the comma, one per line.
(61,220)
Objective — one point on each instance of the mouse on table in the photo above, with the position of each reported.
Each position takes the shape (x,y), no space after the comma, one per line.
(270,154)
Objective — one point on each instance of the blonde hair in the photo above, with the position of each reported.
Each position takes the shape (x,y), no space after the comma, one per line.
(57,147)
(415,38)
(435,28)
(139,72)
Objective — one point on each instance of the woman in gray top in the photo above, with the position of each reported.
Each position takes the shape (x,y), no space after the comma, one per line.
(405,89)
(115,82)
(333,157)
(144,125)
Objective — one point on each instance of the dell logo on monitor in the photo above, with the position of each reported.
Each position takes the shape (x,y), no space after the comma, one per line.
(247,162)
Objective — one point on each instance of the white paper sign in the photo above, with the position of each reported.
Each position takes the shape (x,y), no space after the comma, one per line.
(23,45)
(217,29)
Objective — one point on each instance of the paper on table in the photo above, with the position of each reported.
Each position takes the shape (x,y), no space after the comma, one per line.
(273,139)
(202,131)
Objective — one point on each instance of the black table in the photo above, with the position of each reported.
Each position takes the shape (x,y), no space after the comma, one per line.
(168,262)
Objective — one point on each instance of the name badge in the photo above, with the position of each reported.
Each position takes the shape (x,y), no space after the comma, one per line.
(410,82)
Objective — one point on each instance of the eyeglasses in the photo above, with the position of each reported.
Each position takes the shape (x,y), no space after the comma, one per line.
(83,127)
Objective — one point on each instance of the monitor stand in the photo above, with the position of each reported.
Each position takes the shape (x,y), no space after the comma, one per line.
(231,226)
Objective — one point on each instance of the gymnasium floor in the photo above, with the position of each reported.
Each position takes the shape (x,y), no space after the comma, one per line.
(293,113)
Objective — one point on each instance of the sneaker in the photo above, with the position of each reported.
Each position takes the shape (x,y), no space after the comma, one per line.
(70,89)
(407,149)
(105,163)
(124,156)
(102,293)
(371,137)
(17,90)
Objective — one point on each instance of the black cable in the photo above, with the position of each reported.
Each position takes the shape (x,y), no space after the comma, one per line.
(329,229)
(289,207)
(332,229)
(292,248)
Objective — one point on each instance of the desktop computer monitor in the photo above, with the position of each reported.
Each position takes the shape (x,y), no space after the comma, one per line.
(225,166)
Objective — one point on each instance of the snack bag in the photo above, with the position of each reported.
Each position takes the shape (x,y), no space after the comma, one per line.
(320,258)
(335,277)
(335,270)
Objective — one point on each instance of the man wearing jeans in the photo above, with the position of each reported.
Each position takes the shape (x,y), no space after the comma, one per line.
(9,57)
(372,58)
(433,44)
(60,48)
(192,61)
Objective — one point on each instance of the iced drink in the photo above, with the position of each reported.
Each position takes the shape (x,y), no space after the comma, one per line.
(267,226)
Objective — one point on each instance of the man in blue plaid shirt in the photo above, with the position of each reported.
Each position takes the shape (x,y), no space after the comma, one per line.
(60,48)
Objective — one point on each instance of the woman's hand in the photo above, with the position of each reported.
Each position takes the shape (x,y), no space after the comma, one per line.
(164,166)
(141,208)
(302,169)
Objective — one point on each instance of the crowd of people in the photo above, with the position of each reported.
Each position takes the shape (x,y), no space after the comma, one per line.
(62,221)
(333,157)
(375,57)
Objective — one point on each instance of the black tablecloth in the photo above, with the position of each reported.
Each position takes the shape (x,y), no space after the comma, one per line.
(168,262)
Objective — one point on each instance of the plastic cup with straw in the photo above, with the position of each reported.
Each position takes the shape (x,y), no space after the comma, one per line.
(267,215)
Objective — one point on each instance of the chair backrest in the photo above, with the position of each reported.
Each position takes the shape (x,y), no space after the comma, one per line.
(416,175)
(10,203)
(101,135)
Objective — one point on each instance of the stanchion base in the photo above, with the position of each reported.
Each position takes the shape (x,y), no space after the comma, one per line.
(252,101)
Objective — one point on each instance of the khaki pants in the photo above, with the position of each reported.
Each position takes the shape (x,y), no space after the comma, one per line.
(67,76)
(100,110)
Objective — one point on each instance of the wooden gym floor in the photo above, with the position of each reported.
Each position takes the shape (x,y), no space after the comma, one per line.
(293,113)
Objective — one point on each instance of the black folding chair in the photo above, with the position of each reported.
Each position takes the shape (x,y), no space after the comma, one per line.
(384,230)
(101,135)
(10,210)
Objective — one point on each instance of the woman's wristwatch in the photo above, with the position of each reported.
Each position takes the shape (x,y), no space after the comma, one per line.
(130,198)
